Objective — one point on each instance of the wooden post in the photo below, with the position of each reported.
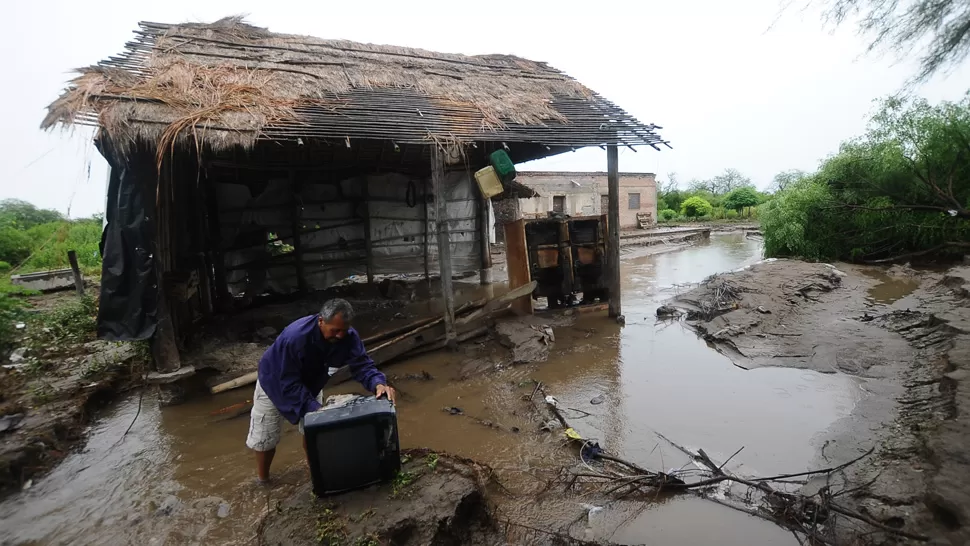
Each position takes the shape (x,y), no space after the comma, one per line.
(485,271)
(215,244)
(613,225)
(517,263)
(368,236)
(444,240)
(297,227)
(427,236)
(165,349)
(78,281)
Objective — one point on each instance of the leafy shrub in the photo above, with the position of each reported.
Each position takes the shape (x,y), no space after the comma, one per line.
(667,215)
(696,207)
(4,266)
(70,323)
(731,215)
(11,311)
(54,239)
(14,245)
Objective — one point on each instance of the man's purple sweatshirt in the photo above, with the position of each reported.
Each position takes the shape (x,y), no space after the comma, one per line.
(294,369)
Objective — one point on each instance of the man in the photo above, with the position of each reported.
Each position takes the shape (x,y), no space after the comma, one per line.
(294,370)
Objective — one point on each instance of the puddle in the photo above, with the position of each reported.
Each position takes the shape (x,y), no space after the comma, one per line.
(163,483)
(890,289)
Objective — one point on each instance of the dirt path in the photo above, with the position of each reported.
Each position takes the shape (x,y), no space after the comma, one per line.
(905,333)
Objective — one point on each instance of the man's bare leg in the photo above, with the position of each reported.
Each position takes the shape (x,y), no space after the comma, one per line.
(263,461)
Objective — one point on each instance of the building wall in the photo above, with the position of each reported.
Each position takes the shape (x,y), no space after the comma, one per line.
(584,192)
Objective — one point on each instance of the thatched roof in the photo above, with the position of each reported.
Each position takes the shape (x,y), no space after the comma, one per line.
(229,83)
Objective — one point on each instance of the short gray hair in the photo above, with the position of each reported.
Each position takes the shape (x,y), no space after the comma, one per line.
(337,306)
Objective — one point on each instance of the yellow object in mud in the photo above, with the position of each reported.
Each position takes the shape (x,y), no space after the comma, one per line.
(572,434)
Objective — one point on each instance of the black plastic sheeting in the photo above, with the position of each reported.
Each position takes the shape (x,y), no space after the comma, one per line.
(129,305)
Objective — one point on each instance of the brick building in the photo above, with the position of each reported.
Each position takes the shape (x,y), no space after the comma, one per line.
(585,194)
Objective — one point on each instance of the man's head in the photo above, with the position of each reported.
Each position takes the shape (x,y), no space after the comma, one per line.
(335,318)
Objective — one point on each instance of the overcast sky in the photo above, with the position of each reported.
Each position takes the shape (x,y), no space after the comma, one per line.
(730,88)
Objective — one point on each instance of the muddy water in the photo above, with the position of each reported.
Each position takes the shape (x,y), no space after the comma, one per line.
(179,477)
(890,289)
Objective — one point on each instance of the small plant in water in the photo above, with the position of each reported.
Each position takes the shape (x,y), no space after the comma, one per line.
(432,461)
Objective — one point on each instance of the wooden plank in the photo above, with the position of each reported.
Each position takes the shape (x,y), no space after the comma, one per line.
(613,227)
(368,236)
(240,381)
(496,304)
(296,213)
(517,262)
(444,238)
(393,348)
(78,280)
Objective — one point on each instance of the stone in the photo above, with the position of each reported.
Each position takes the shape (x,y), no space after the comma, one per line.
(266,332)
(159,378)
(18,355)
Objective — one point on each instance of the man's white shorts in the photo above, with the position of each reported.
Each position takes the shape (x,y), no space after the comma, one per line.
(266,422)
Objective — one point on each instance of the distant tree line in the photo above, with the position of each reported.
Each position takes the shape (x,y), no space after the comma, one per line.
(33,239)
(727,196)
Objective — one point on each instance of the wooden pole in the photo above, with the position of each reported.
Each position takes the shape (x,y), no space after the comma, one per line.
(296,214)
(485,271)
(78,281)
(444,240)
(613,225)
(165,349)
(427,236)
(368,236)
(223,297)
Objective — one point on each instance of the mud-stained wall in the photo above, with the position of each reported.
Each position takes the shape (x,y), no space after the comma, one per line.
(333,219)
(585,194)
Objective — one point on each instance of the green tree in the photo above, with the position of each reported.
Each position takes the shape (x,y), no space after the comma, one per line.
(724,183)
(23,215)
(900,191)
(14,245)
(784,179)
(695,207)
(742,198)
(938,29)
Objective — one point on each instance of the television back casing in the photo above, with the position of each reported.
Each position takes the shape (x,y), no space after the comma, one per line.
(352,446)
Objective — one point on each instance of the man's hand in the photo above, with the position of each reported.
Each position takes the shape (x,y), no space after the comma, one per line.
(384,390)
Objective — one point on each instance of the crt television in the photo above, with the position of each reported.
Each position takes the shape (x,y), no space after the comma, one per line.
(353,445)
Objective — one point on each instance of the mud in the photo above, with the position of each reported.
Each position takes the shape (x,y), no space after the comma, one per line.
(164,476)
(906,333)
(47,399)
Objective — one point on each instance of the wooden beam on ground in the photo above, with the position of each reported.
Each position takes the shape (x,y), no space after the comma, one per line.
(613,226)
(517,263)
(440,192)
(296,214)
(78,280)
(368,236)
